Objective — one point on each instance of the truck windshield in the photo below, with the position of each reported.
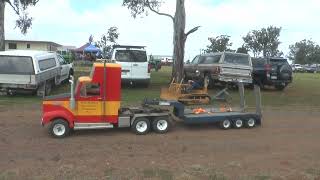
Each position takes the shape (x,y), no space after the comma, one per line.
(236,59)
(131,56)
(16,65)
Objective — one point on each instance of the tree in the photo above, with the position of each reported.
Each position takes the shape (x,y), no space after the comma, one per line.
(242,49)
(219,44)
(90,39)
(304,52)
(107,41)
(139,7)
(23,22)
(265,41)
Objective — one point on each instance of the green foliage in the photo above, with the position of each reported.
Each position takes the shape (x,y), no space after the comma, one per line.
(108,40)
(242,49)
(90,39)
(305,52)
(139,7)
(265,41)
(219,44)
(24,22)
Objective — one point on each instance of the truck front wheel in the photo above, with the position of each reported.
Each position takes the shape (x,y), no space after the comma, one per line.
(161,125)
(141,126)
(59,128)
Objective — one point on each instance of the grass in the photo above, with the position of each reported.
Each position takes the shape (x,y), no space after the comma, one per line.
(303,93)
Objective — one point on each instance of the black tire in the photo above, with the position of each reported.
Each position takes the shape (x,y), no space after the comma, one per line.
(59,128)
(225,124)
(161,125)
(280,87)
(47,88)
(285,72)
(250,122)
(70,74)
(207,77)
(237,123)
(141,126)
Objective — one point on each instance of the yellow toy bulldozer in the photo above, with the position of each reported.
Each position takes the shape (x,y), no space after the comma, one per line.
(180,92)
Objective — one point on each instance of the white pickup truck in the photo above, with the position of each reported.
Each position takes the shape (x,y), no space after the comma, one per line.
(32,71)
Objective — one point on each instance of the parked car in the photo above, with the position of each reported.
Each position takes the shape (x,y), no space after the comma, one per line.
(314,68)
(225,67)
(35,71)
(297,68)
(271,71)
(133,59)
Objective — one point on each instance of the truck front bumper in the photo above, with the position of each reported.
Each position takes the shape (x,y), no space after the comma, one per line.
(235,79)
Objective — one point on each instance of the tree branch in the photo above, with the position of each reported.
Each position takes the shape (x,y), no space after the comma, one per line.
(15,9)
(192,30)
(159,13)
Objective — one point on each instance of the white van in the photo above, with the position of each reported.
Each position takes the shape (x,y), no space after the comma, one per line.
(36,71)
(134,64)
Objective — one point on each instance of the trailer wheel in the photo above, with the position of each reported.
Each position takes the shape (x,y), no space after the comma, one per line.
(59,128)
(250,123)
(161,125)
(141,126)
(238,123)
(225,124)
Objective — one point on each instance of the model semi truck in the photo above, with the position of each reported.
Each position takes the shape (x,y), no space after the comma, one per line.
(95,103)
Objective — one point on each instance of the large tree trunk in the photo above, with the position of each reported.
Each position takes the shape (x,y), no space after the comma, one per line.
(179,39)
(2,38)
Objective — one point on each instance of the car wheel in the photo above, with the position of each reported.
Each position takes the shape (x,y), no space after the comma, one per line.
(280,87)
(70,74)
(59,128)
(208,80)
(225,124)
(161,125)
(141,126)
(48,88)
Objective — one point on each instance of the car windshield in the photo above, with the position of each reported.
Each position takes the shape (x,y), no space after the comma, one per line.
(258,62)
(131,56)
(16,65)
(236,59)
(278,61)
(210,59)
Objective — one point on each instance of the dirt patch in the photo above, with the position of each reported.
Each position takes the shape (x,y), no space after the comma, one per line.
(285,147)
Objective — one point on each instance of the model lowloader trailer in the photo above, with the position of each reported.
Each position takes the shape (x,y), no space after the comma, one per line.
(95,103)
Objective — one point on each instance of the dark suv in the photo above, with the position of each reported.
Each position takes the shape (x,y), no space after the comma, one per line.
(271,71)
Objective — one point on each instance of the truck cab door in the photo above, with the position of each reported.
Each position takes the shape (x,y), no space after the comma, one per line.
(64,68)
(89,103)
(192,67)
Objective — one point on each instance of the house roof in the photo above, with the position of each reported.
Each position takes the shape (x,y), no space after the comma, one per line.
(49,42)
(81,49)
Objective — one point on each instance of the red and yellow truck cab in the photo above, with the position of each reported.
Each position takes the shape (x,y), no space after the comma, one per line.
(94,104)
(96,99)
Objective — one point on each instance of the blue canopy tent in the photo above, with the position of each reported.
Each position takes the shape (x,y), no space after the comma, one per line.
(91,49)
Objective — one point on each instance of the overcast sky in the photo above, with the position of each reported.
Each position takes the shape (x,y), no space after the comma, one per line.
(70,22)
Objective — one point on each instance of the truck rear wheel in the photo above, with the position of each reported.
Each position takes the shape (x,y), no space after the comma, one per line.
(141,126)
(47,88)
(250,123)
(59,128)
(225,124)
(161,125)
